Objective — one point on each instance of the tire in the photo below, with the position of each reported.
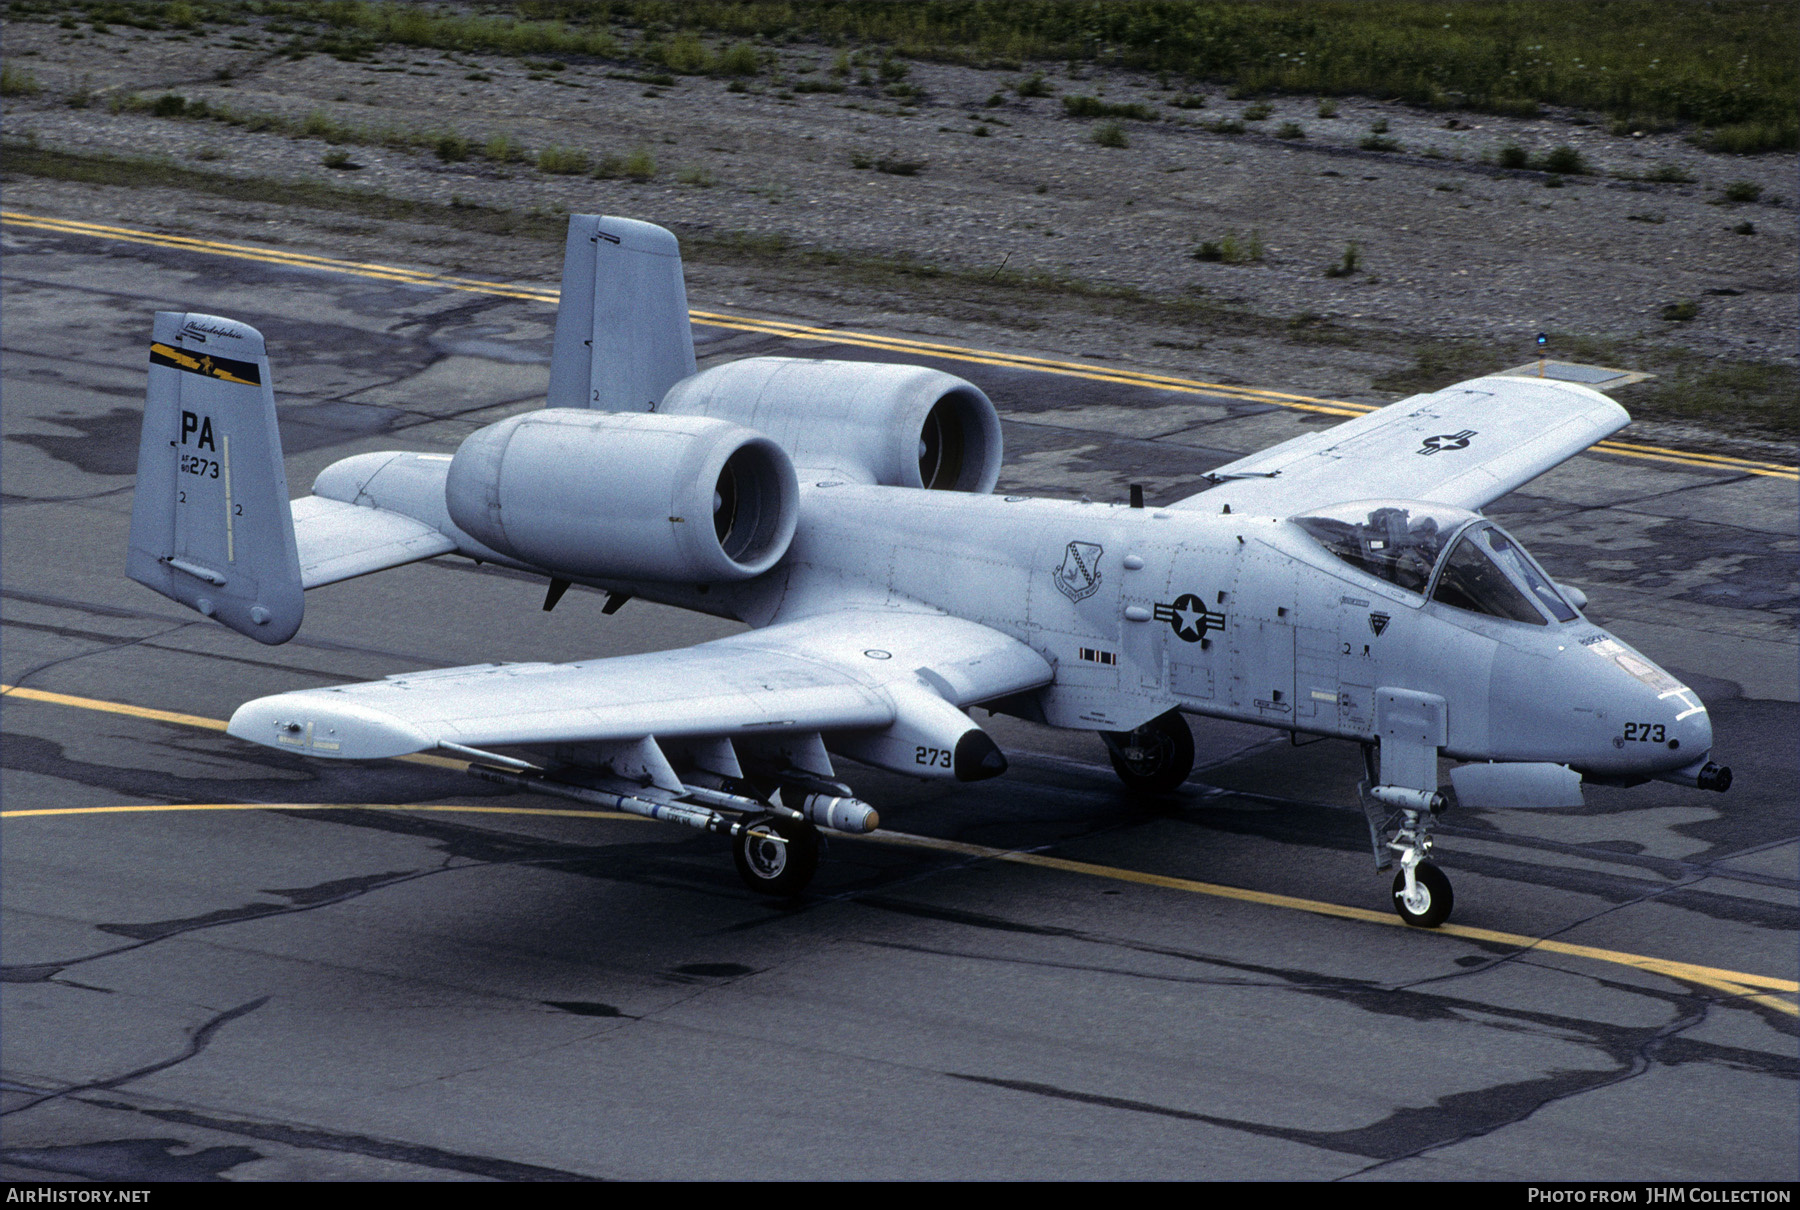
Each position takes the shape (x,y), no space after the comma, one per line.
(1164,749)
(1434,887)
(776,868)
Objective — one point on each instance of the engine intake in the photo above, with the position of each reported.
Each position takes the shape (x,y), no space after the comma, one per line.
(896,425)
(610,495)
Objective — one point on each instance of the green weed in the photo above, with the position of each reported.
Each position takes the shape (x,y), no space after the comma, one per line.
(1347,264)
(1109,134)
(16,82)
(1094,107)
(563,161)
(1565,160)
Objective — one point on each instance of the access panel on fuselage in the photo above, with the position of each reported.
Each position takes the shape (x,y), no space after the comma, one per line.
(1190,620)
(1259,629)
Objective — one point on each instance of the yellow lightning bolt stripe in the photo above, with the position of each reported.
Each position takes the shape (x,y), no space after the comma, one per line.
(806,332)
(1735,983)
(196,365)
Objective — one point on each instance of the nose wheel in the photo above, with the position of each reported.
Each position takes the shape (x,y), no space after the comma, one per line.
(1421,892)
(1426,902)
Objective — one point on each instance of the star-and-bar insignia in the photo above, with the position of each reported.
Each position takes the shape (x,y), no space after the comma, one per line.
(1189,617)
(207,365)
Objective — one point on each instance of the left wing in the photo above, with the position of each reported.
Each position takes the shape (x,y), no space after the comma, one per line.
(1465,445)
(853,670)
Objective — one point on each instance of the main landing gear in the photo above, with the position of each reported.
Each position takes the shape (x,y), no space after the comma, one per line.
(1156,757)
(776,855)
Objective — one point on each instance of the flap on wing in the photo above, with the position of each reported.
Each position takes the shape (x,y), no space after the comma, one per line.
(338,541)
(820,674)
(1465,445)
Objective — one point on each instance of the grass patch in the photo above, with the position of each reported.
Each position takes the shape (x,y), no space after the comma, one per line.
(1232,250)
(17,82)
(1728,67)
(1094,107)
(1681,312)
(1109,134)
(1290,130)
(1754,395)
(1564,160)
(1439,364)
(1345,265)
(1379,142)
(139,173)
(1258,111)
(894,165)
(1742,191)
(563,161)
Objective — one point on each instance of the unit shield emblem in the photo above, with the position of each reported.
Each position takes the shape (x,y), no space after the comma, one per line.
(1079,576)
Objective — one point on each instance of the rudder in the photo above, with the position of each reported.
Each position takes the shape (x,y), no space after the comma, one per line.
(622,332)
(211,525)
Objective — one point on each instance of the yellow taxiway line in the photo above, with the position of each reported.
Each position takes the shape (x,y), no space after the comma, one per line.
(867,340)
(1759,988)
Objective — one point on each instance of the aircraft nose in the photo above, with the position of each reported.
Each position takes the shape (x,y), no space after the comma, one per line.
(1665,726)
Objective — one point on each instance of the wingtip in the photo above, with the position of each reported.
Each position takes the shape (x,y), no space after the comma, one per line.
(300,722)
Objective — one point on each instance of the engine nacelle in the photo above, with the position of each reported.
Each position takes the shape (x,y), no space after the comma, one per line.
(896,425)
(626,496)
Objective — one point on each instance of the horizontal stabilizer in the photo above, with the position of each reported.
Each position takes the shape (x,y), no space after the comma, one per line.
(210,520)
(338,541)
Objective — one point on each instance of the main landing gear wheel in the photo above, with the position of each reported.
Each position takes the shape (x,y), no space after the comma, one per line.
(776,856)
(1156,757)
(1430,903)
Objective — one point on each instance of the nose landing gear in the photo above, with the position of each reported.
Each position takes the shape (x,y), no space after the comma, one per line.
(1421,892)
(1400,825)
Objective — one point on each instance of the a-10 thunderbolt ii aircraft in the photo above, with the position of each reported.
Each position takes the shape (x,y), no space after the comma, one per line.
(1343,583)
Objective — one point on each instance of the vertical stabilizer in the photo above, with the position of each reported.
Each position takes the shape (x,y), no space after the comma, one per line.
(622,334)
(210,523)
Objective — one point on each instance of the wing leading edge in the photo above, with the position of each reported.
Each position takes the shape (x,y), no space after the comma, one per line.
(1466,446)
(853,670)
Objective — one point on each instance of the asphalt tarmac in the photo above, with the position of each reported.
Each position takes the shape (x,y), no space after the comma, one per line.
(1036,977)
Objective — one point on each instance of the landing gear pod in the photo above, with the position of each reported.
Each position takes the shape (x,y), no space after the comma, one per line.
(626,495)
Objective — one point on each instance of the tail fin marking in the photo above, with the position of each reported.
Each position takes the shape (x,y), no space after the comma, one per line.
(210,522)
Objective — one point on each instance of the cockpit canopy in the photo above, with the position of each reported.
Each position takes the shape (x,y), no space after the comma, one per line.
(1447,554)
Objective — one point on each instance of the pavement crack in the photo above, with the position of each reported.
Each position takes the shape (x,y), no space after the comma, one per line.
(197,1043)
(20,680)
(314,1139)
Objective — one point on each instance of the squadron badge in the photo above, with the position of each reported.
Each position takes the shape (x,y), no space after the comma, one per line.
(1079,576)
